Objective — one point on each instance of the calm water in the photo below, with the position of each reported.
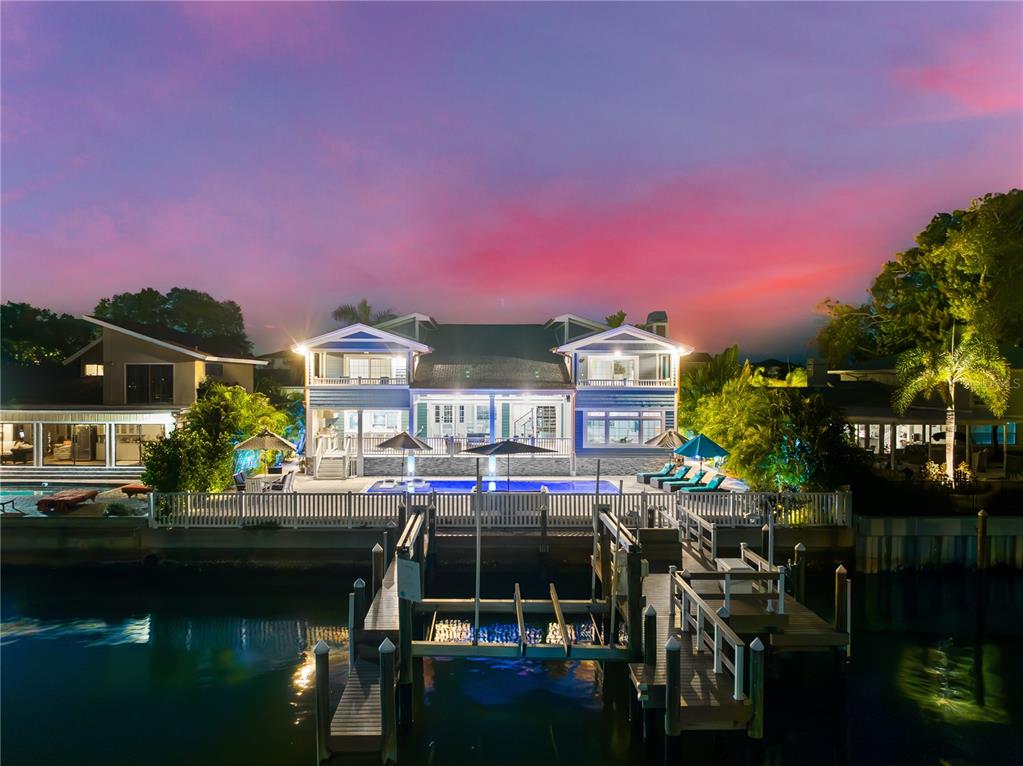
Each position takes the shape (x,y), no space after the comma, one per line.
(175,668)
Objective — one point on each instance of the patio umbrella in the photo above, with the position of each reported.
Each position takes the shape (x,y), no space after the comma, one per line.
(508,448)
(703,448)
(263,441)
(667,440)
(405,442)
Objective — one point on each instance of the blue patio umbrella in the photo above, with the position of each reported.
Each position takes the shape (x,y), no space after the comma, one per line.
(702,448)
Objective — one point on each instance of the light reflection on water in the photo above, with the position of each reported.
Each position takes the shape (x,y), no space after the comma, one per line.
(955,683)
(94,632)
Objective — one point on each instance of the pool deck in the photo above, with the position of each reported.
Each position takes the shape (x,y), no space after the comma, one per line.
(362,483)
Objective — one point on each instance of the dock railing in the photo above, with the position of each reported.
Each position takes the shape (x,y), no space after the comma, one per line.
(784,509)
(695,616)
(699,532)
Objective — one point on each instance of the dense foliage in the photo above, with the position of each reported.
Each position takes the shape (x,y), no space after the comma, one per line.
(966,268)
(777,437)
(198,456)
(616,319)
(30,335)
(360,313)
(188,311)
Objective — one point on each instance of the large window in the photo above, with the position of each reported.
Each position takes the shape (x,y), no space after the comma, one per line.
(629,429)
(373,421)
(129,441)
(80,444)
(612,369)
(16,443)
(149,383)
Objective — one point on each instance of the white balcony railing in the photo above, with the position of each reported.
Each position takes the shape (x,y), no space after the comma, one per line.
(441,446)
(628,382)
(380,380)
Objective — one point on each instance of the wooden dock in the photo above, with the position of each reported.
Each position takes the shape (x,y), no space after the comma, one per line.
(382,616)
(357,725)
(707,701)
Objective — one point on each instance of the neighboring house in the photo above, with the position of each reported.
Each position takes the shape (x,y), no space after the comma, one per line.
(137,379)
(571,385)
(863,391)
(284,369)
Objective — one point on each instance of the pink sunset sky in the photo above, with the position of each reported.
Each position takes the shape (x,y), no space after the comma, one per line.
(731,164)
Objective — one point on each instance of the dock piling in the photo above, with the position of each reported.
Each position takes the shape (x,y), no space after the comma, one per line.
(800,563)
(378,568)
(360,603)
(765,541)
(650,635)
(982,552)
(388,711)
(841,621)
(672,687)
(756,688)
(321,652)
(353,652)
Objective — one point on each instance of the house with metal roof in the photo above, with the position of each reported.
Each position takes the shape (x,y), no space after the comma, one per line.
(571,385)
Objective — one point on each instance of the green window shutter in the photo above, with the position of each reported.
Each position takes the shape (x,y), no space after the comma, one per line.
(404,420)
(505,420)
(420,418)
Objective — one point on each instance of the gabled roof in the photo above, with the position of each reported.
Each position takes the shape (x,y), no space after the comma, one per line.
(191,345)
(360,334)
(626,335)
(492,356)
(592,324)
(83,350)
(405,318)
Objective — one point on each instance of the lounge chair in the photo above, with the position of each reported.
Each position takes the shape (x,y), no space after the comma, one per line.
(644,478)
(692,481)
(679,475)
(283,484)
(710,486)
(239,481)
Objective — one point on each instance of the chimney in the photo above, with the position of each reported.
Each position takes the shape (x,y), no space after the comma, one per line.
(816,371)
(657,323)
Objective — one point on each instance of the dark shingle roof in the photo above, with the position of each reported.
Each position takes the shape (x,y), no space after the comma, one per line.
(656,316)
(491,356)
(206,346)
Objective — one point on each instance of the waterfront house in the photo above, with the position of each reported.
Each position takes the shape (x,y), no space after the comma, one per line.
(863,391)
(90,417)
(571,385)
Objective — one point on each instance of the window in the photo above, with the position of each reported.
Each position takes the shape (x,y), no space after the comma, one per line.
(149,383)
(609,369)
(92,370)
(623,428)
(129,441)
(78,444)
(214,370)
(16,443)
(358,368)
(461,413)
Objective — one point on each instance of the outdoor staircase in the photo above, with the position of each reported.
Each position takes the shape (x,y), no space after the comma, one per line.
(69,474)
(333,467)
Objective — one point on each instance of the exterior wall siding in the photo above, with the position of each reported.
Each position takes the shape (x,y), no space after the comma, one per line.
(360,397)
(609,399)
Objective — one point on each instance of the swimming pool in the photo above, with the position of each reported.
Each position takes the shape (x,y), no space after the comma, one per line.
(451,486)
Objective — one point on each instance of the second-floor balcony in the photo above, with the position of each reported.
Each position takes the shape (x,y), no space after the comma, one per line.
(628,382)
(358,380)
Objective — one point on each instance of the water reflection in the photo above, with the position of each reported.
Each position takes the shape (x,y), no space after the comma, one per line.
(460,631)
(96,632)
(945,682)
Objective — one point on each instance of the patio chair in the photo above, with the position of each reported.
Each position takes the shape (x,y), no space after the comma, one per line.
(692,481)
(710,486)
(644,478)
(283,484)
(679,475)
(239,481)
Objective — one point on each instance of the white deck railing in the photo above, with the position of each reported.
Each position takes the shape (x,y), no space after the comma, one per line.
(785,509)
(445,446)
(379,380)
(702,513)
(627,382)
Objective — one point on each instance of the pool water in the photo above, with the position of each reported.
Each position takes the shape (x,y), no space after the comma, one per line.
(451,486)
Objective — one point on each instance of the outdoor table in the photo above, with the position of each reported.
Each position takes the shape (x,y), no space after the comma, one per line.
(737,565)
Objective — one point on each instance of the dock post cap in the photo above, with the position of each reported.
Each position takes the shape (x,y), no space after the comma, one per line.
(840,569)
(723,613)
(744,544)
(800,547)
(982,512)
(757,645)
(673,644)
(765,528)
(672,569)
(321,647)
(686,575)
(386,646)
(649,611)
(392,524)
(360,583)
(378,547)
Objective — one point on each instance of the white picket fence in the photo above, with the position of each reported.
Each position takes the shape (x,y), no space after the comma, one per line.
(497,509)
(784,509)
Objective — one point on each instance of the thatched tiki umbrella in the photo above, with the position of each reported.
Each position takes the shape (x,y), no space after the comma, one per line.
(263,441)
(405,442)
(508,448)
(667,440)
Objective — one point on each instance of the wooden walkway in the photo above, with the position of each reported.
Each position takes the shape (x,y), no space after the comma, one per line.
(356,725)
(805,631)
(382,616)
(706,696)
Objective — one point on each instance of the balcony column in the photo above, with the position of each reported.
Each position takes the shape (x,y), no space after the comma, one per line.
(493,418)
(37,444)
(891,449)
(359,459)
(110,458)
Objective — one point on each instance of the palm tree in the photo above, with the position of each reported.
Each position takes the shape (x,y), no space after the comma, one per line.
(360,313)
(975,363)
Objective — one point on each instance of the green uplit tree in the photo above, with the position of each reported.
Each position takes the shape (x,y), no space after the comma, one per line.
(975,364)
(616,319)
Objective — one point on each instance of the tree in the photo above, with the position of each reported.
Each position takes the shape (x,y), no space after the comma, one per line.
(188,311)
(360,313)
(32,336)
(697,382)
(616,319)
(975,364)
(964,268)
